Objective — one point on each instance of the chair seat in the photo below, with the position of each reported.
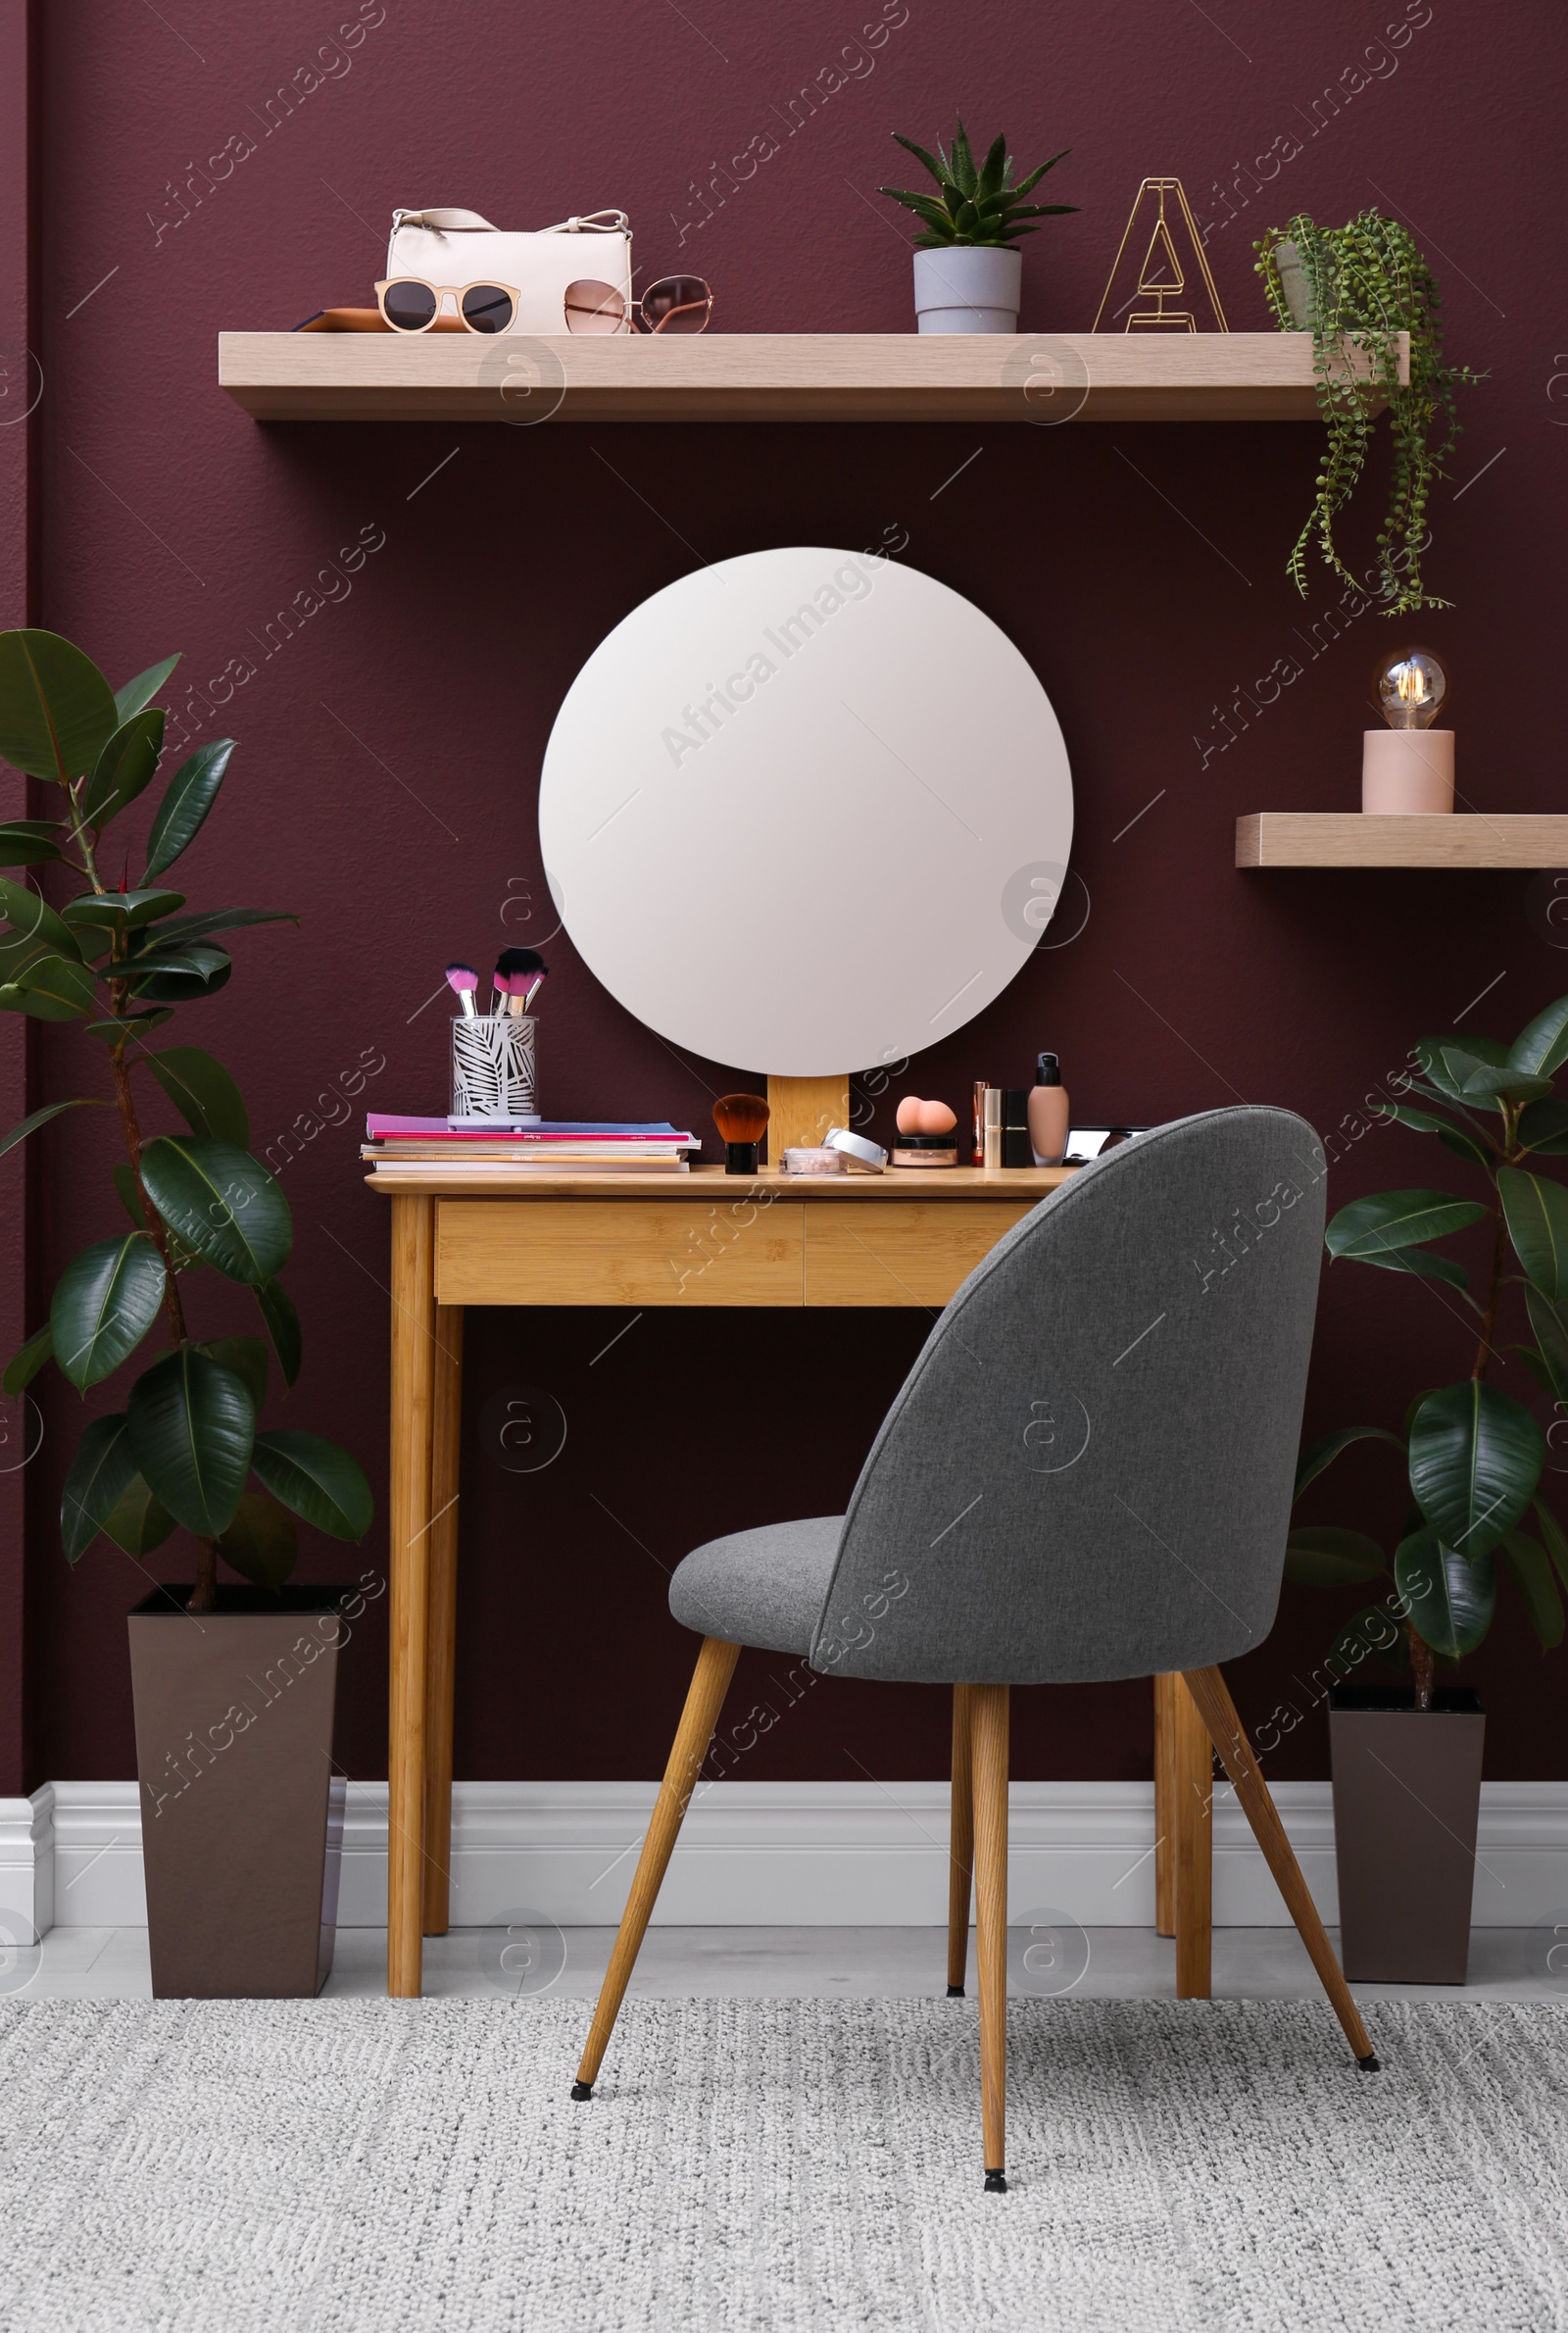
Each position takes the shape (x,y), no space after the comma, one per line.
(765,1587)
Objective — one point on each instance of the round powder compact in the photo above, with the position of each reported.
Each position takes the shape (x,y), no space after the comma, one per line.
(926,1150)
(813,1162)
(860,1154)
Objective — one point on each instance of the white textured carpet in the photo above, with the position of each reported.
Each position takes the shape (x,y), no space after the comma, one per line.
(1201,2167)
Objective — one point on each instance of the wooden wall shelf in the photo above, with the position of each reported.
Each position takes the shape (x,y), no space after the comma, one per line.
(1348,838)
(773,376)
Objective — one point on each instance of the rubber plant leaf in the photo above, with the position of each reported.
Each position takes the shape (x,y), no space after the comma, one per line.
(105,1302)
(96,1480)
(1537,1214)
(142,691)
(322,1483)
(191,793)
(1398,1219)
(1476,1457)
(222,1203)
(1449,1598)
(262,1542)
(1320,1454)
(203,1092)
(192,1430)
(57,710)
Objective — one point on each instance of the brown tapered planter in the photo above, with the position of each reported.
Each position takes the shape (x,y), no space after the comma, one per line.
(241,1801)
(1406,1801)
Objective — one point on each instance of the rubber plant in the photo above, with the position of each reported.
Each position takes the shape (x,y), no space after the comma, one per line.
(979,206)
(1355,288)
(1473,1453)
(184,1446)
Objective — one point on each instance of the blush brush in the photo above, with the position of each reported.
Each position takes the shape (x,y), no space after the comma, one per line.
(742,1120)
(462,981)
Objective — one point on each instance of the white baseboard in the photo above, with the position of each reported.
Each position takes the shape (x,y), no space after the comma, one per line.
(775,1854)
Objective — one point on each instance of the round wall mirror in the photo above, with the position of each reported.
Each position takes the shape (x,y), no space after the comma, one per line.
(806,811)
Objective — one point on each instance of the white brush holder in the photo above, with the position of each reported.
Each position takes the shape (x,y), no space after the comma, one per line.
(493,1066)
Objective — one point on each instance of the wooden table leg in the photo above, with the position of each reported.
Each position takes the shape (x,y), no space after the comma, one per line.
(445,1452)
(408,1564)
(1164,1857)
(1192,1795)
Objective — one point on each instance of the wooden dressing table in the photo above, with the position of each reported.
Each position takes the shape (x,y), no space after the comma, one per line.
(907,1237)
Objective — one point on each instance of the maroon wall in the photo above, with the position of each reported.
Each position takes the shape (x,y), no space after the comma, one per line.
(390,746)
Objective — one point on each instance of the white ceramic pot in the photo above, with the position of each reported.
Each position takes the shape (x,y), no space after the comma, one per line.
(1294,284)
(967,287)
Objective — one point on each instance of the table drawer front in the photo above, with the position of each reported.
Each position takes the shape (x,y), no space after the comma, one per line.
(616,1251)
(899,1252)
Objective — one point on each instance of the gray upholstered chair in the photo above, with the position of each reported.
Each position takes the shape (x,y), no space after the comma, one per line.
(1088,1475)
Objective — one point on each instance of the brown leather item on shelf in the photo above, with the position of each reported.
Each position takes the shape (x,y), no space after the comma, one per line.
(365,319)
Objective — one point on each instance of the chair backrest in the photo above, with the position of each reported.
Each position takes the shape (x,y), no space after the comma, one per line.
(1088,1472)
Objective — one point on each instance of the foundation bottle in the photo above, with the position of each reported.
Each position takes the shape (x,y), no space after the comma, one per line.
(1048,1113)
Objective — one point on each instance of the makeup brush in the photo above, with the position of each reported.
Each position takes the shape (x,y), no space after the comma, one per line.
(741,1119)
(521,968)
(463,980)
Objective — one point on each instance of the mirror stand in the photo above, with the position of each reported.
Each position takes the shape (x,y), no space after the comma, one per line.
(801,1111)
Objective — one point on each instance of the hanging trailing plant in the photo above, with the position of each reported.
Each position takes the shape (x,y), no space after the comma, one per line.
(1355,288)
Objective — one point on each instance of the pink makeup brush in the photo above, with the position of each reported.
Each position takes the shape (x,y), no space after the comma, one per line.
(463,980)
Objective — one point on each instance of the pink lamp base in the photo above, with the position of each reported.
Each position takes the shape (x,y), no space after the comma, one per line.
(1405,771)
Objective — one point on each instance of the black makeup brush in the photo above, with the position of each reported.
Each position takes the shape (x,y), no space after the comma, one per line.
(523,970)
(742,1120)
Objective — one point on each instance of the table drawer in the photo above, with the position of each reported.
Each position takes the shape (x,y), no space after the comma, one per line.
(617,1251)
(899,1252)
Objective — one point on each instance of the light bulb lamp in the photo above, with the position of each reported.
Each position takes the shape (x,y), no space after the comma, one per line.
(1409,766)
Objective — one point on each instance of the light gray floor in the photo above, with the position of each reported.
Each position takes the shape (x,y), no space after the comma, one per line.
(763,1964)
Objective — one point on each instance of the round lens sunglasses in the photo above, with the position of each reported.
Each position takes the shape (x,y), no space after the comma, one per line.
(674,304)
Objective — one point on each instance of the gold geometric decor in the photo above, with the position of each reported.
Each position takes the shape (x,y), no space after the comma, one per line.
(1161,228)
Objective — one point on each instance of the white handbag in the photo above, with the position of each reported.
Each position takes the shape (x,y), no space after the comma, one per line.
(456,247)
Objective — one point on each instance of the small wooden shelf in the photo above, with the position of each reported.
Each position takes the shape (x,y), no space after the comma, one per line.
(1350,838)
(772,377)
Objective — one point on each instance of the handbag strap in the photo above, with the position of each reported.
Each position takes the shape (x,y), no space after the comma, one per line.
(446,221)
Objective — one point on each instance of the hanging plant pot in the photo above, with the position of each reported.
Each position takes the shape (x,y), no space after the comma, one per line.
(1407,1804)
(1295,288)
(241,1802)
(968,287)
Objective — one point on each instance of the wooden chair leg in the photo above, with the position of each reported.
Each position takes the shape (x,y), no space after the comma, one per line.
(715,1666)
(1211,1696)
(1193,1862)
(990,1708)
(1164,1857)
(961,1853)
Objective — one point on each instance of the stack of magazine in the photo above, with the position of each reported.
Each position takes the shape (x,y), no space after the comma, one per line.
(411,1147)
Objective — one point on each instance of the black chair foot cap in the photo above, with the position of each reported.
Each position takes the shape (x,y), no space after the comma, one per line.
(955,1991)
(1370,2064)
(582,2090)
(996,2183)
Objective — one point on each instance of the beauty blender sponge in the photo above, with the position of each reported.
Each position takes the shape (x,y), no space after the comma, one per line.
(932,1118)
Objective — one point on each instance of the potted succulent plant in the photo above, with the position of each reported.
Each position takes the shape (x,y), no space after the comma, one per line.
(967,265)
(234,1687)
(1407,1757)
(1358,288)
